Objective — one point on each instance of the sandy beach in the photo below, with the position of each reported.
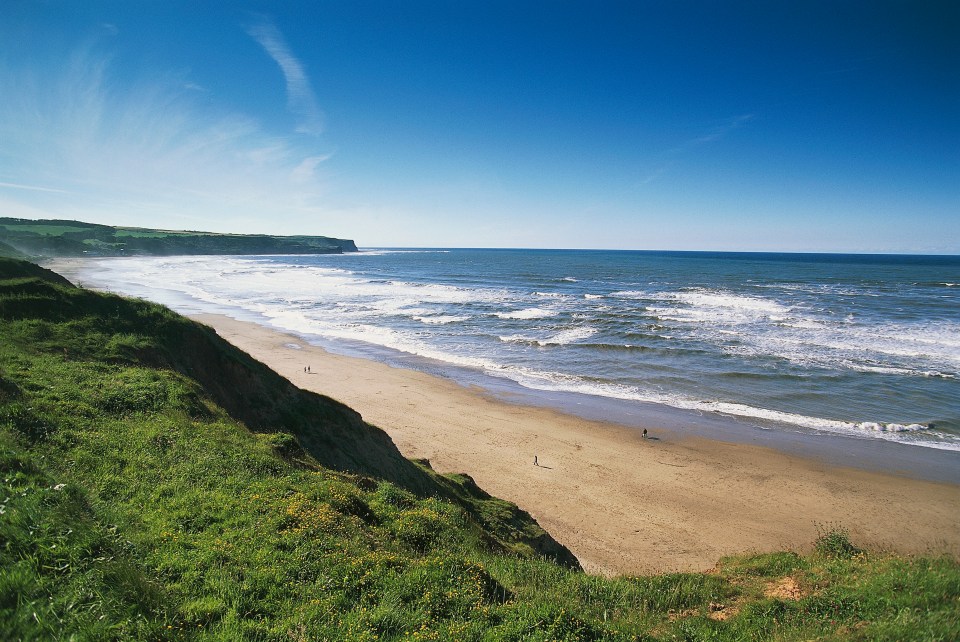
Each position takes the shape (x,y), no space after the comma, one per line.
(621,503)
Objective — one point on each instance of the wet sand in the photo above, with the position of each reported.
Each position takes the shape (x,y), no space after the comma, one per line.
(621,503)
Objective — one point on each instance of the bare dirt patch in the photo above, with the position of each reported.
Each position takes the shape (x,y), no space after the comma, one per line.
(786,588)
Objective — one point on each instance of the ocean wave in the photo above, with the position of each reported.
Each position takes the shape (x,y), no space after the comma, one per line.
(632,294)
(892,427)
(865,429)
(939,375)
(811,338)
(904,372)
(936,284)
(564,382)
(527,313)
(719,306)
(809,330)
(570,336)
(397,340)
(562,338)
(561,382)
(799,324)
(441,319)
(621,347)
(760,328)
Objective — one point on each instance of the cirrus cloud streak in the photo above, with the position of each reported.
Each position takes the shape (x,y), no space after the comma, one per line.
(300,98)
(85,144)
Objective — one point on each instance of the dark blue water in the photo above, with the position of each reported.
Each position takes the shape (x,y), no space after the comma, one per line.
(860,345)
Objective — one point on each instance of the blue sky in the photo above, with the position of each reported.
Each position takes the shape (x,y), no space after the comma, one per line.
(806,126)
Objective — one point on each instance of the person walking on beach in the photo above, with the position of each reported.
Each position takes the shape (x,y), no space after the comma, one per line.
(535,462)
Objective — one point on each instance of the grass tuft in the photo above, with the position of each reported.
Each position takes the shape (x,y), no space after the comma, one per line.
(833,542)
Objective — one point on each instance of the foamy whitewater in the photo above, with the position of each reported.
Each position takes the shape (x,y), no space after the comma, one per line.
(867,346)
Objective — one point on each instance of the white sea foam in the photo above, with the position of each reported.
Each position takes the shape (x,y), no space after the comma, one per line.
(527,313)
(566,383)
(631,294)
(767,328)
(518,338)
(703,306)
(416,292)
(562,338)
(405,342)
(939,375)
(570,336)
(774,329)
(878,427)
(337,303)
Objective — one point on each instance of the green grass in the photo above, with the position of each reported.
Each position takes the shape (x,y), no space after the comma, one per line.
(145,233)
(46,230)
(159,485)
(833,541)
(46,238)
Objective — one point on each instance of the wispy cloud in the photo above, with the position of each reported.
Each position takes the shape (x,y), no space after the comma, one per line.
(718,131)
(656,173)
(33,188)
(715,133)
(300,96)
(304,172)
(81,142)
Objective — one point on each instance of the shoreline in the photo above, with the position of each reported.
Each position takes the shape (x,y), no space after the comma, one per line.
(621,503)
(876,453)
(702,487)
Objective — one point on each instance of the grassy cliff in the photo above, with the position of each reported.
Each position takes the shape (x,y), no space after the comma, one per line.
(160,484)
(26,237)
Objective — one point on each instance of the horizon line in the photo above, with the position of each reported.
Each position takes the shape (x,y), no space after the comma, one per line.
(557,249)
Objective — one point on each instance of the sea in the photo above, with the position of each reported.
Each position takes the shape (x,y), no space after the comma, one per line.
(863,346)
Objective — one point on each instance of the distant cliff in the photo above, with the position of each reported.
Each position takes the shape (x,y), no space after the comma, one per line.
(76,238)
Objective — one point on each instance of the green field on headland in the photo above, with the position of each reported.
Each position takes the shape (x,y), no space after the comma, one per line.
(45,238)
(159,484)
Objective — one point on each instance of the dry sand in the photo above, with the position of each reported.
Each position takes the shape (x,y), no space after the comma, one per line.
(621,504)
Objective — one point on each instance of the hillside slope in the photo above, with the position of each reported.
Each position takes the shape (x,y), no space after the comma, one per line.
(52,237)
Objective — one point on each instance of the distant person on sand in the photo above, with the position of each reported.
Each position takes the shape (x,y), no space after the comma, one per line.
(535,462)
(644,433)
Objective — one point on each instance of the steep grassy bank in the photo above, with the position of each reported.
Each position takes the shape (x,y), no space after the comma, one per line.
(160,484)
